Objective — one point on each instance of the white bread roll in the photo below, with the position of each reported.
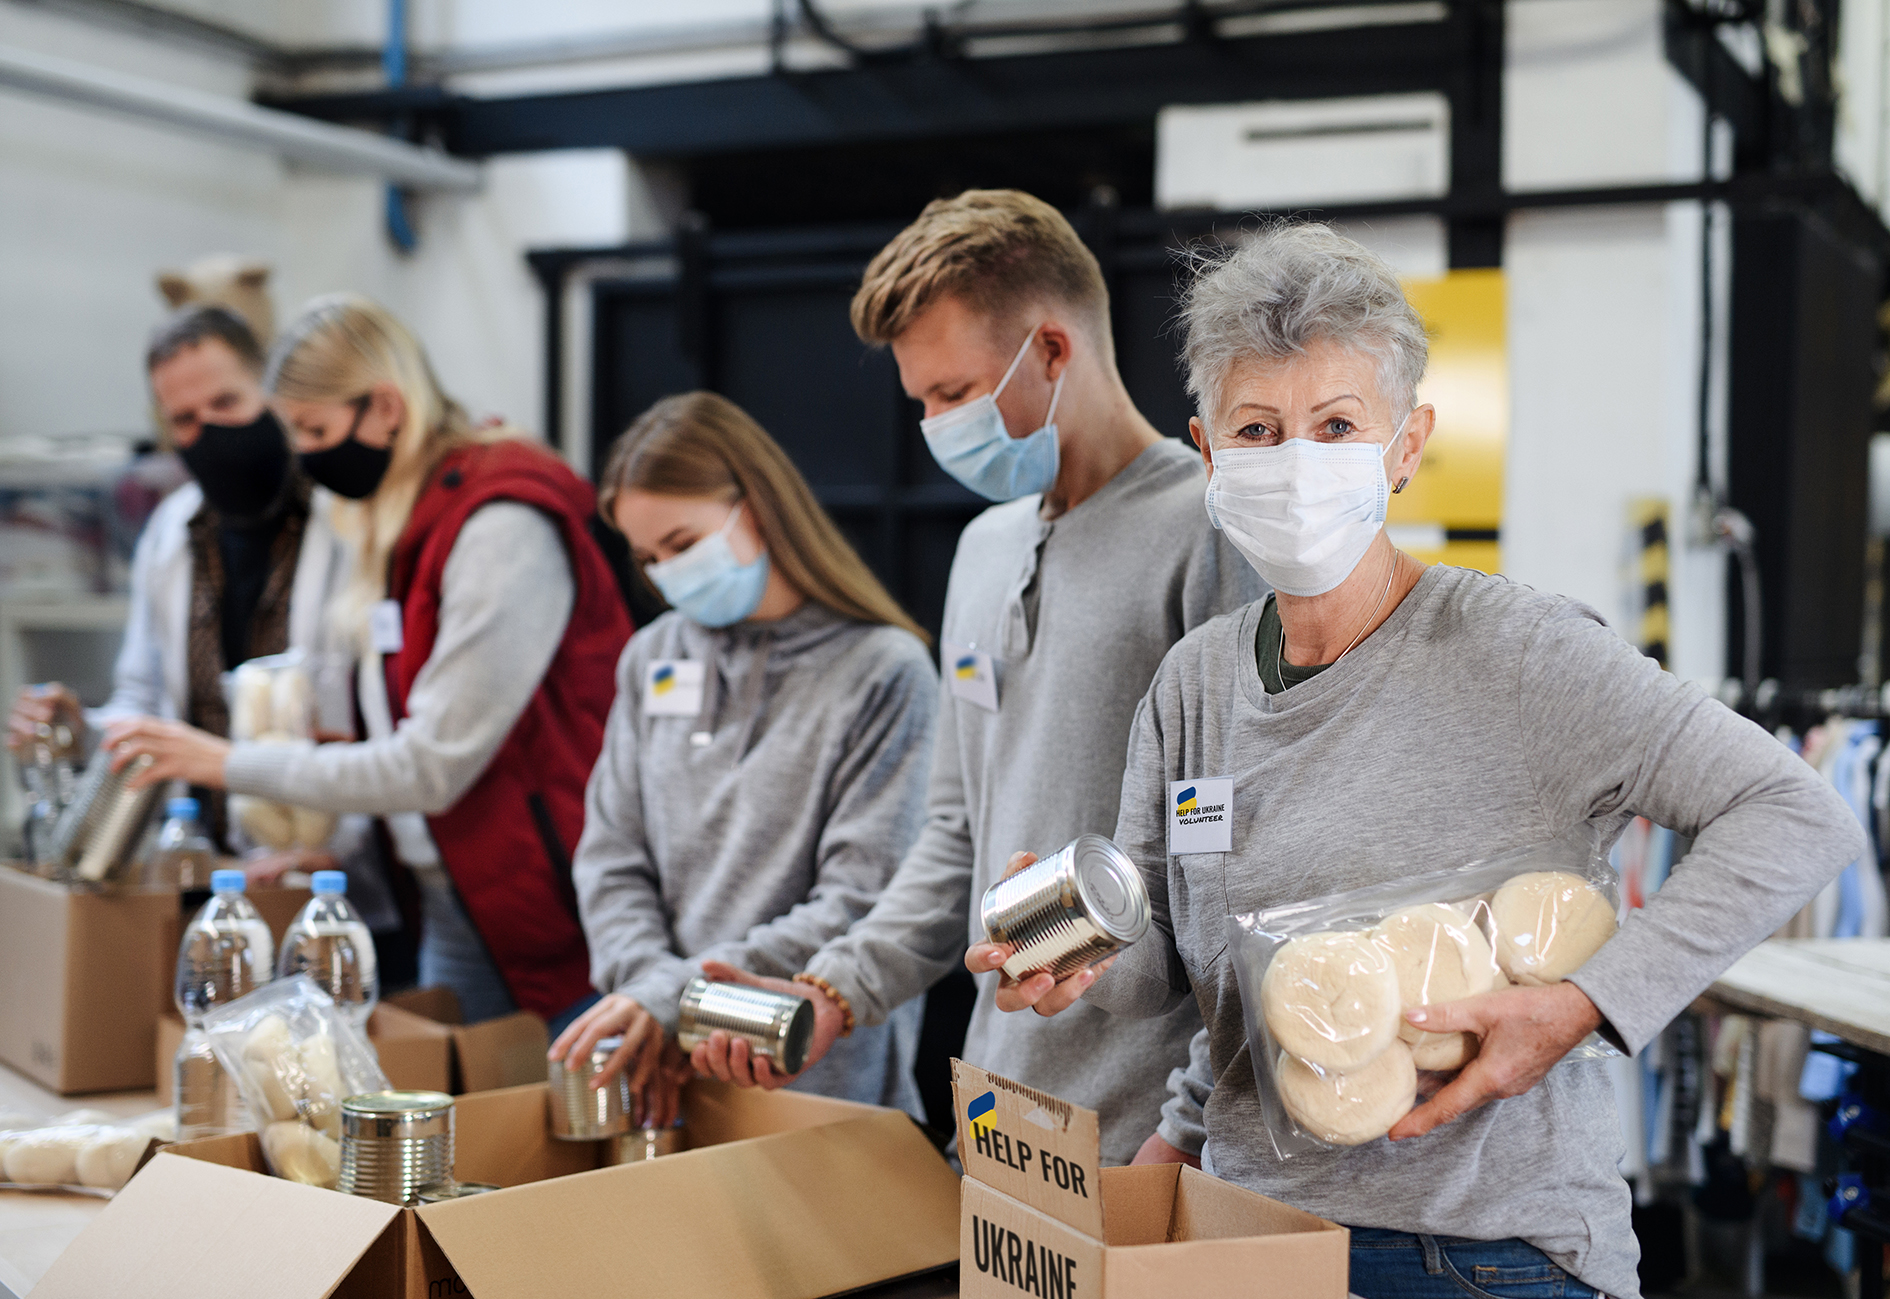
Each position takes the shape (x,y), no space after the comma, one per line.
(47,1158)
(1331,999)
(301,1154)
(1548,923)
(1439,956)
(249,702)
(108,1160)
(275,1067)
(1353,1107)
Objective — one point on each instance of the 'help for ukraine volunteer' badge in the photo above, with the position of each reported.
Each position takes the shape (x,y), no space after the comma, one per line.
(1200,815)
(672,688)
(971,675)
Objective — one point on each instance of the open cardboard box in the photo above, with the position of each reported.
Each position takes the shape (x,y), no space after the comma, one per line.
(415,1053)
(84,977)
(1042,1217)
(782,1196)
(504,1052)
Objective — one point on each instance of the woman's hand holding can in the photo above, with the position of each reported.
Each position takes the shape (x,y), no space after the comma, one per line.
(1041,992)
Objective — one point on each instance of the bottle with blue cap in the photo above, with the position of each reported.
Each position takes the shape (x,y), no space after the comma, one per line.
(329,942)
(183,856)
(227,951)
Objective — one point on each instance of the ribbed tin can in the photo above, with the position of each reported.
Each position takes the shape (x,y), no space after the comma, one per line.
(99,831)
(775,1024)
(438,1191)
(639,1144)
(394,1143)
(582,1113)
(1069,910)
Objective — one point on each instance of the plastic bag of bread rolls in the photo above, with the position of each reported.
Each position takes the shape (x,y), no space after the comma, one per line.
(1325,982)
(272,701)
(94,1158)
(295,1058)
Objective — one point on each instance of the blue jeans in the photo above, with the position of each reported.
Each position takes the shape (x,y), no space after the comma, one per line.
(453,955)
(1398,1265)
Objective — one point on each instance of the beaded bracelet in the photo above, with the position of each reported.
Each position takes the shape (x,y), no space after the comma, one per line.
(833,995)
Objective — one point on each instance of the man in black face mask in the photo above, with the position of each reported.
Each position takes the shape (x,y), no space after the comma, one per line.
(217,566)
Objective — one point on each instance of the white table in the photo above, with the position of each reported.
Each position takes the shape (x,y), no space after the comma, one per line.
(1840,985)
(36,1226)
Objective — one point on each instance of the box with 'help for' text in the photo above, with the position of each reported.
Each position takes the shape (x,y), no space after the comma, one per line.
(1039,1215)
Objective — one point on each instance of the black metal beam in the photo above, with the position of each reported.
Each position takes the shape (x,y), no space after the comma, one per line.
(931,98)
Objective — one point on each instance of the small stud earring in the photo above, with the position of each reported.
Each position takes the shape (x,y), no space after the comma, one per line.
(1400,486)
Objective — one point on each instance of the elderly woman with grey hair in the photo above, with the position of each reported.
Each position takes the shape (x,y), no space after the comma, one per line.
(1379,718)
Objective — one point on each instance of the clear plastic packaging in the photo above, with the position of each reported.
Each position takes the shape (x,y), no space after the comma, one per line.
(272,700)
(75,1153)
(1325,983)
(296,1057)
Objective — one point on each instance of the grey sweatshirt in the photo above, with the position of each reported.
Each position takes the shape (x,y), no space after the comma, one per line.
(1078,612)
(1482,716)
(772,837)
(505,597)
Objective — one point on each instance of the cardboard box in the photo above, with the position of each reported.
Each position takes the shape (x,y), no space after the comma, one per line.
(84,977)
(784,1196)
(1042,1217)
(416,1054)
(497,1053)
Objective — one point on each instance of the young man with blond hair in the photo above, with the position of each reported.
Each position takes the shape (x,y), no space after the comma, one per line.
(1062,601)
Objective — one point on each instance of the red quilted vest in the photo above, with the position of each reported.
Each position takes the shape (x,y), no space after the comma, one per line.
(508,842)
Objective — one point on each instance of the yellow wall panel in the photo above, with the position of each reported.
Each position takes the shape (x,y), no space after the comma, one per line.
(1459,486)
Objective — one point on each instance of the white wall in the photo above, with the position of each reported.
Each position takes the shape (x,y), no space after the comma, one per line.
(1604,318)
(94,206)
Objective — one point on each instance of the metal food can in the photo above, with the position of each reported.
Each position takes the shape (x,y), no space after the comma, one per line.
(1069,910)
(775,1024)
(394,1143)
(639,1144)
(99,831)
(438,1191)
(580,1112)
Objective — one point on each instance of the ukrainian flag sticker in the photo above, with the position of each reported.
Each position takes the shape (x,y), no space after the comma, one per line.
(1201,815)
(970,674)
(982,1114)
(672,688)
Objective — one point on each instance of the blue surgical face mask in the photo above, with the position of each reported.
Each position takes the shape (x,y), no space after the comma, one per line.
(708,585)
(972,444)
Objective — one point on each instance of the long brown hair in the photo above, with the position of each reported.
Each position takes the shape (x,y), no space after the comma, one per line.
(336,349)
(701,444)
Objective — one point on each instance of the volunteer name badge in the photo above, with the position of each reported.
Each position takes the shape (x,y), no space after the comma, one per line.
(384,627)
(971,675)
(1201,815)
(672,688)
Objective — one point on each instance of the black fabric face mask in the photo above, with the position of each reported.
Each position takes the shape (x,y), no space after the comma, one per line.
(241,467)
(349,468)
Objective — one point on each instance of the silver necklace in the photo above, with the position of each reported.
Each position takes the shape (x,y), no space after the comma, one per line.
(1279,651)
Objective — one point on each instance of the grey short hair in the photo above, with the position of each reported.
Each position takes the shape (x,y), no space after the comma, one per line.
(1290,285)
(197,324)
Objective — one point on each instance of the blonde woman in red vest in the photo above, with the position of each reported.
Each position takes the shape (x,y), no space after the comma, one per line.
(489,624)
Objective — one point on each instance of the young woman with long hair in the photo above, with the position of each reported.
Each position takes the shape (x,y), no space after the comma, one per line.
(765,765)
(488,621)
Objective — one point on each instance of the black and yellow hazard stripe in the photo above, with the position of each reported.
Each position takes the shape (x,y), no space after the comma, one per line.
(1651,524)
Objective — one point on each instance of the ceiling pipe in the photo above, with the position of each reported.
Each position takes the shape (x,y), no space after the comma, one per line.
(297,138)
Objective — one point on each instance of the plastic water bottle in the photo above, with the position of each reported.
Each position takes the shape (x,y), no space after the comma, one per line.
(205,1098)
(226,952)
(184,856)
(328,942)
